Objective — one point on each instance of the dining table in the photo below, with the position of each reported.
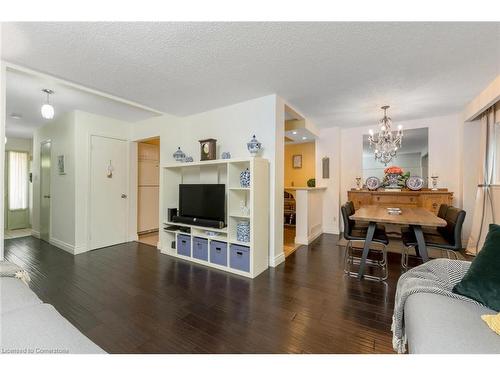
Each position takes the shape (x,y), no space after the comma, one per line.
(414,217)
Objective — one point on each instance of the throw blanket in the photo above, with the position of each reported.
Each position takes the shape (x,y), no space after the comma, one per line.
(8,269)
(437,276)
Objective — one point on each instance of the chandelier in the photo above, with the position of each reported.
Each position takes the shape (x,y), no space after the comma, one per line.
(386,142)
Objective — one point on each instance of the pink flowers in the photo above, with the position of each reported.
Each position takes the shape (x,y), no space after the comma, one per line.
(393,170)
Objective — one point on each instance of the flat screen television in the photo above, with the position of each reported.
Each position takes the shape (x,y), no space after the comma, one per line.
(203,201)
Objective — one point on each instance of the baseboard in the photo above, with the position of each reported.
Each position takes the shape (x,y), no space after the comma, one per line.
(331,230)
(62,245)
(35,233)
(277,260)
(307,240)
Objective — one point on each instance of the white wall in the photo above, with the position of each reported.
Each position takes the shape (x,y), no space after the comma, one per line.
(328,145)
(232,126)
(61,133)
(70,135)
(2,145)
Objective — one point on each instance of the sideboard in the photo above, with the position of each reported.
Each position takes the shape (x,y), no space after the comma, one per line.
(426,198)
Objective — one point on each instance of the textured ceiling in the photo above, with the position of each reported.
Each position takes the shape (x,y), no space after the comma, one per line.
(24,97)
(336,74)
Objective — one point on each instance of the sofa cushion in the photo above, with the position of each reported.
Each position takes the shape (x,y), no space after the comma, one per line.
(14,294)
(437,324)
(41,329)
(482,280)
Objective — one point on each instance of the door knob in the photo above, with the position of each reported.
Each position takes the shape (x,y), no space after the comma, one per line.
(46,196)
(124,196)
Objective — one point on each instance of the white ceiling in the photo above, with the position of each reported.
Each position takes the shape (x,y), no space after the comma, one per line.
(336,74)
(24,97)
(299,135)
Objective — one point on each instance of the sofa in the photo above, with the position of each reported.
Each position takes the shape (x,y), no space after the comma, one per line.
(436,324)
(27,325)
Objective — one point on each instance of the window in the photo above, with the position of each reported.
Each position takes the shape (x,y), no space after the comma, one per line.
(496,154)
(18,180)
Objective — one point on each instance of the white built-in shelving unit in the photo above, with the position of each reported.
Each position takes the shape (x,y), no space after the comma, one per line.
(256,197)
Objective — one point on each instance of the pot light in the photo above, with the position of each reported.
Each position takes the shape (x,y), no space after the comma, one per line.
(47,109)
(294,133)
(304,138)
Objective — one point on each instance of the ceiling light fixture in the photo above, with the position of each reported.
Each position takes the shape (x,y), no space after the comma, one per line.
(294,132)
(304,138)
(386,142)
(47,109)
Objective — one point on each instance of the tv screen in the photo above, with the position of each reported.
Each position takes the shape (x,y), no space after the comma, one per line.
(202,201)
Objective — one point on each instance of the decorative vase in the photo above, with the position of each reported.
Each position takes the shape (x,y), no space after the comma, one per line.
(254,146)
(243,231)
(245,178)
(392,180)
(311,182)
(179,155)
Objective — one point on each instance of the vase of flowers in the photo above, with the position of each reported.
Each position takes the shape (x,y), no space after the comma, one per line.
(395,178)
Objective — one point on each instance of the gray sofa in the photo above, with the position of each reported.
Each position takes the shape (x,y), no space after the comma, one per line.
(27,325)
(436,324)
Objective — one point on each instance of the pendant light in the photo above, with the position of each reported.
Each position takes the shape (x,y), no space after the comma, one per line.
(47,109)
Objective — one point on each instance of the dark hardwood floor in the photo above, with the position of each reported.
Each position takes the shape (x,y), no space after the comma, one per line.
(131,299)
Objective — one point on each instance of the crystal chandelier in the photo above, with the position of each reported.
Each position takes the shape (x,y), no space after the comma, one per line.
(386,142)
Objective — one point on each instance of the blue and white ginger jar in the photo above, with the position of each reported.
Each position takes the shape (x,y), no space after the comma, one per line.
(245,178)
(254,146)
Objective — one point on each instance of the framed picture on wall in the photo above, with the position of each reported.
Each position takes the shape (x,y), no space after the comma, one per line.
(297,161)
(60,165)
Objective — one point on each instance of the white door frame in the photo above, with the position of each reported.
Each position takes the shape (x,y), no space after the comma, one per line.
(89,186)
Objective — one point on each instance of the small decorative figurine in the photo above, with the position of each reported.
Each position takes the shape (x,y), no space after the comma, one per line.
(254,146)
(245,178)
(358,183)
(434,182)
(226,155)
(179,155)
(208,148)
(245,210)
(188,159)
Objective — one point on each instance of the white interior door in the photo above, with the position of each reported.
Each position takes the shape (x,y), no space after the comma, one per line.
(108,192)
(45,172)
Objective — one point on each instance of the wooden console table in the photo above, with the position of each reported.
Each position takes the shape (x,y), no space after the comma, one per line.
(425,198)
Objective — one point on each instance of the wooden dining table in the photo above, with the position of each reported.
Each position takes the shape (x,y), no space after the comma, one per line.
(415,217)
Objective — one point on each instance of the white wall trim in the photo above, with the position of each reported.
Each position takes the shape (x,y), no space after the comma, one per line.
(331,230)
(307,240)
(62,245)
(35,233)
(277,260)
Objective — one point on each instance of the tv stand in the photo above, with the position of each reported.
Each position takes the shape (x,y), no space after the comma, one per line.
(218,247)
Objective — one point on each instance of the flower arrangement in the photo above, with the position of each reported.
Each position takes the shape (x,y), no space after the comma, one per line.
(395,177)
(393,170)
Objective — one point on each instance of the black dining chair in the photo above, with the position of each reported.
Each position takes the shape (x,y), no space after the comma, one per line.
(355,235)
(447,239)
(443,208)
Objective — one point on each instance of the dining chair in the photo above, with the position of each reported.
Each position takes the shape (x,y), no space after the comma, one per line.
(443,208)
(355,236)
(447,239)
